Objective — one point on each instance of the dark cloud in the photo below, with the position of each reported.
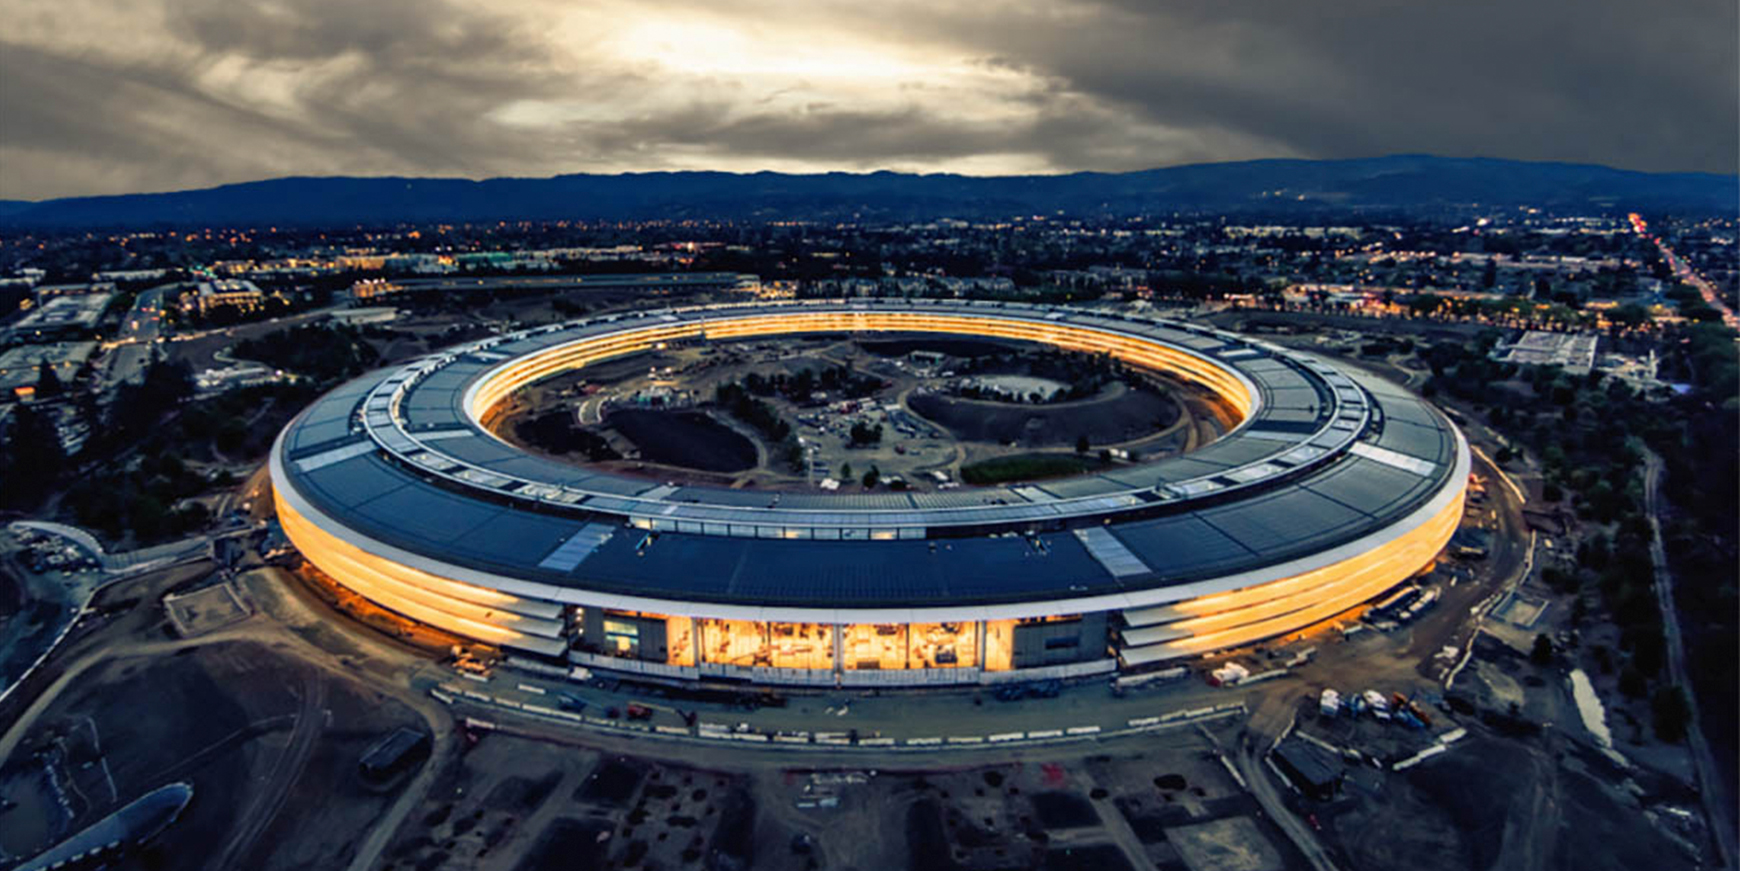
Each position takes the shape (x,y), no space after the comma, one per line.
(72,125)
(367,88)
(212,91)
(1637,85)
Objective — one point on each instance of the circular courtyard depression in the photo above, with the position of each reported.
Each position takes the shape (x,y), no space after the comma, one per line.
(1327,489)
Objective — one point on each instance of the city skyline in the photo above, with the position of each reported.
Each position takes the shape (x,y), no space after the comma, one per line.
(172,97)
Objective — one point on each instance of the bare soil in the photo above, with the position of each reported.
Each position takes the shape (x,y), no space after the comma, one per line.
(223,718)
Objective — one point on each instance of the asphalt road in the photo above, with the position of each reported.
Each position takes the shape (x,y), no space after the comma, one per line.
(21,644)
(140,330)
(1248,761)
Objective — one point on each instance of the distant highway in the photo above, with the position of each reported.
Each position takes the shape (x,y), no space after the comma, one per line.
(1685,273)
(140,330)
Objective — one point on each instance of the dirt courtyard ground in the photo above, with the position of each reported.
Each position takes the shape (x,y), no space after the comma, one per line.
(207,609)
(684,436)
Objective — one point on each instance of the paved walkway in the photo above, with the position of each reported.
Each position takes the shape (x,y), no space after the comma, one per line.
(1713,785)
(907,722)
(960,717)
(134,560)
(22,651)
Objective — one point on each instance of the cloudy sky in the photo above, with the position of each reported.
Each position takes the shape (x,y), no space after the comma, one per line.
(109,96)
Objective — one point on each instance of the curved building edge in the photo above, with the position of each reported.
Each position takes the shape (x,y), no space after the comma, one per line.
(415,412)
(1057,636)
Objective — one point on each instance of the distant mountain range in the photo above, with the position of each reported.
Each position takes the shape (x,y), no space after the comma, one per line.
(1272,187)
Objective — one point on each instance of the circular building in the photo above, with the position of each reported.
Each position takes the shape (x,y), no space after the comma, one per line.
(1333,488)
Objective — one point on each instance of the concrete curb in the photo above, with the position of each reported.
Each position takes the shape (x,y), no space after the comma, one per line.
(709,733)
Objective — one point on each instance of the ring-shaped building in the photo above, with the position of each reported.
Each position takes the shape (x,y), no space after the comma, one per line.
(1332,488)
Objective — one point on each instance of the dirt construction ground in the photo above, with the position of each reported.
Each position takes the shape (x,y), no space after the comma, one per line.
(518,804)
(269,746)
(268,717)
(267,710)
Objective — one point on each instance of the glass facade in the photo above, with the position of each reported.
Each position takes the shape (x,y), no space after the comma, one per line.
(751,643)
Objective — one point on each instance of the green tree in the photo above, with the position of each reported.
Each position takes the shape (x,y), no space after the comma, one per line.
(31,460)
(1671,712)
(1632,682)
(1629,315)
(845,471)
(1081,443)
(1543,651)
(866,434)
(871,477)
(170,381)
(48,384)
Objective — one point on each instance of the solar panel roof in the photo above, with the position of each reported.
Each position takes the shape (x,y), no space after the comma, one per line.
(1249,515)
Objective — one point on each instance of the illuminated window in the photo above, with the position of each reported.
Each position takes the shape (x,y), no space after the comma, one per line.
(999,645)
(775,645)
(679,641)
(621,637)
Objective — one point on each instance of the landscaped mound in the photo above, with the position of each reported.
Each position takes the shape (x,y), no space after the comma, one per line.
(690,439)
(1119,414)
